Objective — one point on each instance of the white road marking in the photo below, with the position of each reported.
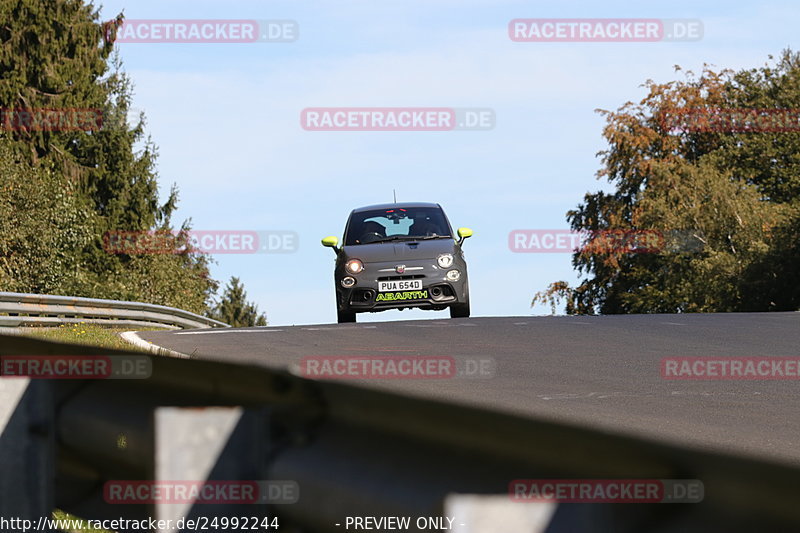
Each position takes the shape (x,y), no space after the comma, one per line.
(133,338)
(642,394)
(584,395)
(217,331)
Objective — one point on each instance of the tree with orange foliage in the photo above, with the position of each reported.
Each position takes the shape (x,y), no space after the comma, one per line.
(725,194)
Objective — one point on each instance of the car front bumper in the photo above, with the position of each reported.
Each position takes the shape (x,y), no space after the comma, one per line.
(437,291)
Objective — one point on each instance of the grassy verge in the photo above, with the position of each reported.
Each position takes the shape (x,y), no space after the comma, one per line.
(83,526)
(83,333)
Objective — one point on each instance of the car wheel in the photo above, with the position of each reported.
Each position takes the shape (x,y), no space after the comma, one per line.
(459,310)
(345,317)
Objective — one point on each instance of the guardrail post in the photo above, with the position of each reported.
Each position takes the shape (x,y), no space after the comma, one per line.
(27,468)
(211,443)
(480,513)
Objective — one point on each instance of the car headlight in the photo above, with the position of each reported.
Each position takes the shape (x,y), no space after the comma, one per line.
(453,275)
(445,260)
(354,266)
(348,281)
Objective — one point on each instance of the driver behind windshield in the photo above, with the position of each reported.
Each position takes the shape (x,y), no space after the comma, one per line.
(423,226)
(394,224)
(370,232)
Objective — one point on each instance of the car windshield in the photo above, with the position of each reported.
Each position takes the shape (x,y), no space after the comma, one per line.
(398,223)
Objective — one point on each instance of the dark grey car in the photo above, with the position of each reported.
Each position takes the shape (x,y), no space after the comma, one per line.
(395,256)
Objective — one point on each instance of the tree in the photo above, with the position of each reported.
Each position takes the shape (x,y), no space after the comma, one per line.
(82,181)
(234,309)
(735,193)
(41,221)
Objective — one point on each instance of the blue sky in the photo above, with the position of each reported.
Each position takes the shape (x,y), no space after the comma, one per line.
(226,120)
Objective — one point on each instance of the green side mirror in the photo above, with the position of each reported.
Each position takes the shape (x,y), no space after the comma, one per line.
(331,242)
(464,233)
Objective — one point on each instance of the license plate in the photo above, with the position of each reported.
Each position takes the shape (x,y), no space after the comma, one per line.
(400,285)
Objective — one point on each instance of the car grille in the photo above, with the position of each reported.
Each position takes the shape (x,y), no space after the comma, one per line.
(410,276)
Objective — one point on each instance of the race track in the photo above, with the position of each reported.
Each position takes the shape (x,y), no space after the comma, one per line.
(602,372)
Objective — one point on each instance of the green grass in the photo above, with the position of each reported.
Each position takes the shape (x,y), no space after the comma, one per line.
(83,333)
(58,514)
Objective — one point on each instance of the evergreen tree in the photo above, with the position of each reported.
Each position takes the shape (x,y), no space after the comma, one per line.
(82,182)
(235,310)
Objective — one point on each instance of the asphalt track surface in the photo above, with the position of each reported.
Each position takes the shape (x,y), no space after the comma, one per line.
(601,372)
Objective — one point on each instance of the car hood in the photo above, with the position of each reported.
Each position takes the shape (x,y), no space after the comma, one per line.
(399,250)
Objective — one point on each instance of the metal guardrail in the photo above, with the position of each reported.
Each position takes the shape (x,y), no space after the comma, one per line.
(18,310)
(352,451)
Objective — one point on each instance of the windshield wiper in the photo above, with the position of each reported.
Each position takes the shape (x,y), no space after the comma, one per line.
(419,238)
(408,238)
(387,239)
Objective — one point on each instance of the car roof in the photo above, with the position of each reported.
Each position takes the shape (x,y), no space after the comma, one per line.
(403,205)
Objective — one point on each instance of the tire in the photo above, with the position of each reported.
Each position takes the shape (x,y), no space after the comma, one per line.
(460,310)
(345,317)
